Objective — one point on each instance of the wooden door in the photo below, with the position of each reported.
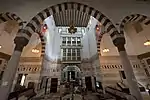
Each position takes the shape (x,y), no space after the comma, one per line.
(88,83)
(54,83)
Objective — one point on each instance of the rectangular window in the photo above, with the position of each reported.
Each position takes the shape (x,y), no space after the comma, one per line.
(69,58)
(64,59)
(69,41)
(73,58)
(78,58)
(64,41)
(78,52)
(71,53)
(64,53)
(73,41)
(78,41)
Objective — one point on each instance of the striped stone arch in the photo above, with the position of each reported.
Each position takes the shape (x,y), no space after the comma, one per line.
(36,22)
(99,42)
(134,18)
(11,16)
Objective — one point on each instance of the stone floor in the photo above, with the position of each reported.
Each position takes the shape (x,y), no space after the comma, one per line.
(56,96)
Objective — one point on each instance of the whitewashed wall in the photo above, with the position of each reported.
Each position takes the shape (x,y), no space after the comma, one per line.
(91,37)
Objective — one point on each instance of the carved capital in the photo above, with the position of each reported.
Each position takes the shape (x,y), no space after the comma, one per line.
(121,48)
(119,43)
(20,43)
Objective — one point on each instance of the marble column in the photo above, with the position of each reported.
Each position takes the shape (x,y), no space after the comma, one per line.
(11,69)
(131,80)
(41,72)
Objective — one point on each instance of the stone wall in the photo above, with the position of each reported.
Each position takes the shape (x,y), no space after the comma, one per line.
(111,66)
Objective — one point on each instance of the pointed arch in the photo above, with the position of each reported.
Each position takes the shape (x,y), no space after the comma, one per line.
(134,18)
(4,17)
(35,23)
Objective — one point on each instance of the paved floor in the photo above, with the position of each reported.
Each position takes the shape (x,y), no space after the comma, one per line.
(56,96)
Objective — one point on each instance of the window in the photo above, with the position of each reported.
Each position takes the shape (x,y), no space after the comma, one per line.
(71,54)
(64,59)
(69,41)
(78,52)
(78,58)
(78,41)
(73,41)
(64,41)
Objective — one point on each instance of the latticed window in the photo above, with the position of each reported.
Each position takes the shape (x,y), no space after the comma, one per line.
(71,54)
(70,50)
(64,41)
(78,41)
(71,41)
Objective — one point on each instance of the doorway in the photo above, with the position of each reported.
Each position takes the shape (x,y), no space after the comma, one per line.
(71,75)
(88,83)
(54,83)
(70,72)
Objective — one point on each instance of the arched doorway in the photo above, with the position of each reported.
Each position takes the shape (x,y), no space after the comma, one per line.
(71,72)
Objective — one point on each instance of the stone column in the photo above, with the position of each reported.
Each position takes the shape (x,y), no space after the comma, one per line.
(11,69)
(93,83)
(131,80)
(41,72)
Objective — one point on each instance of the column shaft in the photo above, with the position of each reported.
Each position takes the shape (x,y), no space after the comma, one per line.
(132,82)
(9,75)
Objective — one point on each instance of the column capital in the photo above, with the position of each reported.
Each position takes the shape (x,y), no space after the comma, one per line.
(20,43)
(119,43)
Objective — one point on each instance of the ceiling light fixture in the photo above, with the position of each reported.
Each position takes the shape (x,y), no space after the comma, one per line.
(0,46)
(147,43)
(106,50)
(44,28)
(35,50)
